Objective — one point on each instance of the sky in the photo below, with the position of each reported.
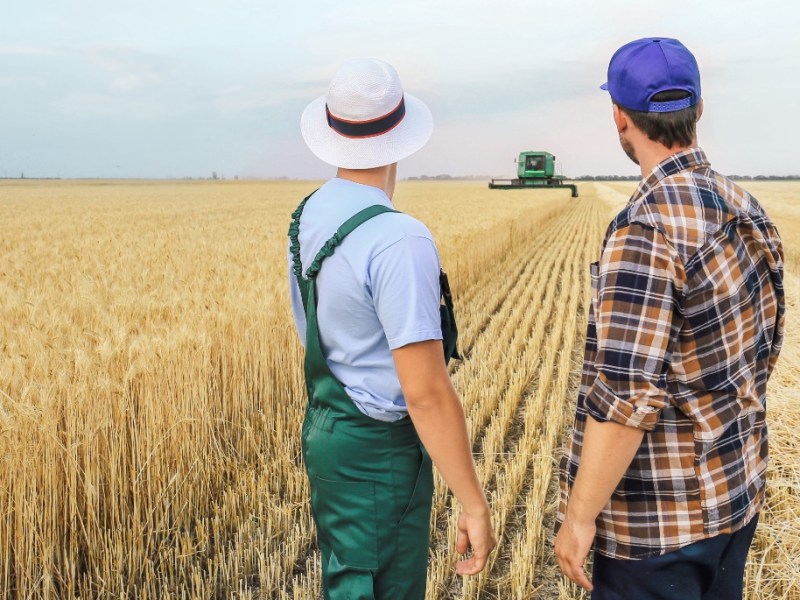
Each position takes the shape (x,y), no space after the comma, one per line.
(172,88)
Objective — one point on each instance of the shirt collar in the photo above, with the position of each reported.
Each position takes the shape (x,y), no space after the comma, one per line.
(680,161)
(377,194)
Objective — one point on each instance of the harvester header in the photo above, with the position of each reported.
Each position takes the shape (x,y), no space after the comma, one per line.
(534,170)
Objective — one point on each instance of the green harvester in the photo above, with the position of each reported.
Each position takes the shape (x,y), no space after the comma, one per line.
(534,170)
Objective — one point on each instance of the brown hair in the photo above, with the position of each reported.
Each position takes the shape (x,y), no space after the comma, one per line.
(667,128)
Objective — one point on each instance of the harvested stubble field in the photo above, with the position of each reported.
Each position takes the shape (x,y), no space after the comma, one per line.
(151,390)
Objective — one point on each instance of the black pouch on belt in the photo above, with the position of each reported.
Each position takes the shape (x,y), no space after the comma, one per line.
(449,327)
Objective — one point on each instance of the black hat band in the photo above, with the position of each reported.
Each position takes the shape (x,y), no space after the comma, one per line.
(371,128)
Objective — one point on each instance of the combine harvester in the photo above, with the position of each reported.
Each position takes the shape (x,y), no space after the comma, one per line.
(534,170)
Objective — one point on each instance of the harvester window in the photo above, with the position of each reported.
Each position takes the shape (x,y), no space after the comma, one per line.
(535,163)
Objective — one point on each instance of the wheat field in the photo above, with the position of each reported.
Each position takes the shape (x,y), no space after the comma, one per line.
(151,386)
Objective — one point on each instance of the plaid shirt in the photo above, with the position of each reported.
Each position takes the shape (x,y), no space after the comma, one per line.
(685,326)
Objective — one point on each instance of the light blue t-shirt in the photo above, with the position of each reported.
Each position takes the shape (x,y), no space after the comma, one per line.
(379,291)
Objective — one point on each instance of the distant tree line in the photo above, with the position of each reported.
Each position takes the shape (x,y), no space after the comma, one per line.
(766,177)
(737,177)
(607,178)
(446,177)
(436,177)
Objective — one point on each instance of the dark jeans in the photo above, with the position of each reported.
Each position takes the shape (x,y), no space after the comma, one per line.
(710,569)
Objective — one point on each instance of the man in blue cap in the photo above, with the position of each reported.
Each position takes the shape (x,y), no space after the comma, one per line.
(665,472)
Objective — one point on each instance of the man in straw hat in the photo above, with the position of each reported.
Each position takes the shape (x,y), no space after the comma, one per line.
(665,473)
(366,289)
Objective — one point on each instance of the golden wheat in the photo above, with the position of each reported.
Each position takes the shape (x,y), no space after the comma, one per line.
(151,390)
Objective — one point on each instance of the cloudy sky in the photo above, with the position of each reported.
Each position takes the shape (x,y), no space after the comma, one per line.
(172,88)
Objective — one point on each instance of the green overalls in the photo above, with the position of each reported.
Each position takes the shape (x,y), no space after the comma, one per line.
(371,481)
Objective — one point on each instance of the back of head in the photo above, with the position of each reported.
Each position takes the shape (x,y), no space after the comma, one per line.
(656,81)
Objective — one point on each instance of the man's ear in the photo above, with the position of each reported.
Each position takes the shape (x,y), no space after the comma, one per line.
(700,109)
(620,119)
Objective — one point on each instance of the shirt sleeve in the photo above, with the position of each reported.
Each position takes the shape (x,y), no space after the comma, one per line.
(635,322)
(404,283)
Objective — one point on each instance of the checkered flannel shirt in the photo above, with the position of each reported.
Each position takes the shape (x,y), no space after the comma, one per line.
(685,326)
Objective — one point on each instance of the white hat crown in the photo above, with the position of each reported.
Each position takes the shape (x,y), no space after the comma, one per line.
(364,89)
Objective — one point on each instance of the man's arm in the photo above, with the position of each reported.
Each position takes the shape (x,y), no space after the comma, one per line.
(634,315)
(608,449)
(438,417)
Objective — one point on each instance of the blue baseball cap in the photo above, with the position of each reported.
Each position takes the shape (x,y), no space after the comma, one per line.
(643,68)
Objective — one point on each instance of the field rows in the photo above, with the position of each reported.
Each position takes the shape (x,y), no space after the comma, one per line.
(511,435)
(151,391)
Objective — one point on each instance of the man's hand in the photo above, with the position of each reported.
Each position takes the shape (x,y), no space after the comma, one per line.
(573,542)
(474,531)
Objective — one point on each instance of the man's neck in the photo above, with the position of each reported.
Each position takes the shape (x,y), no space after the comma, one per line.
(650,154)
(383,178)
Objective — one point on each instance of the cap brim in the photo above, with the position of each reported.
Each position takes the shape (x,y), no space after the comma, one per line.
(408,136)
(604,86)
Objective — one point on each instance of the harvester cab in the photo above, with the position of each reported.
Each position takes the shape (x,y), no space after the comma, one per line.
(534,170)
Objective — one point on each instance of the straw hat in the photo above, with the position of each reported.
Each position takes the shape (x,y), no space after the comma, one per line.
(365,120)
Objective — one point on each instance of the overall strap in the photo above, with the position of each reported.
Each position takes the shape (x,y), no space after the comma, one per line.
(328,247)
(449,327)
(346,229)
(325,392)
(294,233)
